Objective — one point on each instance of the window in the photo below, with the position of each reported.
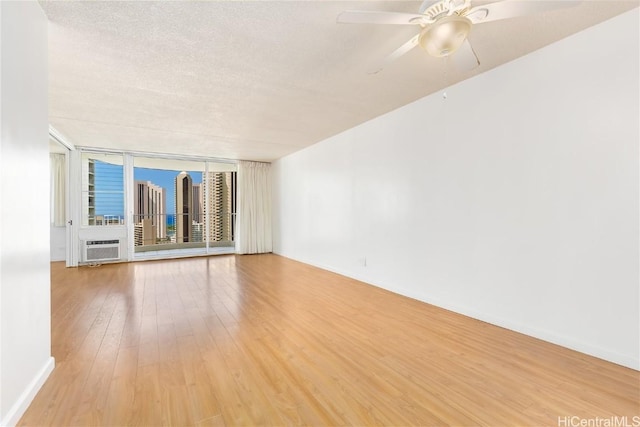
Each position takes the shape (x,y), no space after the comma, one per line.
(220,208)
(183,204)
(164,215)
(102,189)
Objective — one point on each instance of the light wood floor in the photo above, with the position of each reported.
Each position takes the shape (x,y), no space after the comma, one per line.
(263,340)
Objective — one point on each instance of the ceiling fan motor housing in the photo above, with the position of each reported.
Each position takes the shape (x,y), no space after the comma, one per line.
(445,36)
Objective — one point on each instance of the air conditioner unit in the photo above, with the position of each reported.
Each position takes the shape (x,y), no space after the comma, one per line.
(101,250)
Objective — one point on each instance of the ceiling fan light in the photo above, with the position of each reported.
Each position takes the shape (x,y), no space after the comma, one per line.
(444,37)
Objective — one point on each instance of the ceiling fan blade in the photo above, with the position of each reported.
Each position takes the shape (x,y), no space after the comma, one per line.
(512,8)
(396,54)
(379,17)
(465,59)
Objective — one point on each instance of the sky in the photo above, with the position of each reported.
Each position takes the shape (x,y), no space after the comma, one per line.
(109,183)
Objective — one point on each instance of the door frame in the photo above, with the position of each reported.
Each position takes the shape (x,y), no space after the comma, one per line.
(71,221)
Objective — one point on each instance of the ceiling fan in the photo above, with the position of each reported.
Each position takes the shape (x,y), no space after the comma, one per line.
(445,25)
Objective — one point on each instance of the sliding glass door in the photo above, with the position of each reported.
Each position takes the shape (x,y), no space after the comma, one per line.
(182,207)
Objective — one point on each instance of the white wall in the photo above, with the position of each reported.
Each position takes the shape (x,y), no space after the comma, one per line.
(58,243)
(514,201)
(25,338)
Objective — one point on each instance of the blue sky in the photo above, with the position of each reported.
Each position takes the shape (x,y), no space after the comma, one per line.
(109,184)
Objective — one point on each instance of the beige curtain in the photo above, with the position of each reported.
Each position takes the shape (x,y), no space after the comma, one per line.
(57,192)
(253,219)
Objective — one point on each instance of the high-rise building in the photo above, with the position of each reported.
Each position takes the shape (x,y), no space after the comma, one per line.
(197,231)
(220,205)
(197,200)
(184,206)
(144,233)
(150,211)
(88,191)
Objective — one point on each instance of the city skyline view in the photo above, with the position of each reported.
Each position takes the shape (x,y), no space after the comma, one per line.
(202,211)
(165,179)
(109,184)
(168,206)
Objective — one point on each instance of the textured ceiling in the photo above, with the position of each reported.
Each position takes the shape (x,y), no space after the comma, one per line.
(253,80)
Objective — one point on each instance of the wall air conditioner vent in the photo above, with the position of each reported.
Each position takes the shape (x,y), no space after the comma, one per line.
(101,250)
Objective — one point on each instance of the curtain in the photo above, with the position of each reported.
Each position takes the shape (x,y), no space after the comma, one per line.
(254,208)
(57,191)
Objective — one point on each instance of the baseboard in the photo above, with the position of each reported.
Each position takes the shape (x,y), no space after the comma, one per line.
(18,408)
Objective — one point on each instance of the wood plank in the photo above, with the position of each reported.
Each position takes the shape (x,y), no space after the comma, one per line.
(263,340)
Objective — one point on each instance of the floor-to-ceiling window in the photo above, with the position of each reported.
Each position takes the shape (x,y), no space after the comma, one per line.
(147,206)
(220,206)
(182,206)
